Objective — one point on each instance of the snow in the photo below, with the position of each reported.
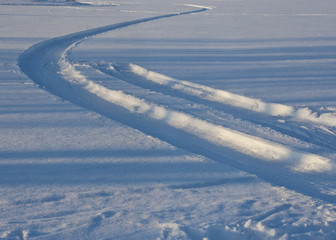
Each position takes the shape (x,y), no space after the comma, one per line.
(167,120)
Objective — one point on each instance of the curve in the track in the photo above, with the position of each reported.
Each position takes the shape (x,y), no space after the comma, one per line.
(45,63)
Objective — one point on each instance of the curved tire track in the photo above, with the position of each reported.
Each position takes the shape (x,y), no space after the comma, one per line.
(45,64)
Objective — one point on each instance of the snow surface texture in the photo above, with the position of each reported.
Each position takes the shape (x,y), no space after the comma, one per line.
(235,166)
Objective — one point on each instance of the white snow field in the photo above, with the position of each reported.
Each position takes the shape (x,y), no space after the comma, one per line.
(201,119)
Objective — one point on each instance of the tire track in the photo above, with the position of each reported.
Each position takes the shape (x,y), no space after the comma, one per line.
(46,64)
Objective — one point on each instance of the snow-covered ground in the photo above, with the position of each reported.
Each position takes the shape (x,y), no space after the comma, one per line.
(202,119)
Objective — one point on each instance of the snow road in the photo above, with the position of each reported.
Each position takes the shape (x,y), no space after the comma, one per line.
(46,63)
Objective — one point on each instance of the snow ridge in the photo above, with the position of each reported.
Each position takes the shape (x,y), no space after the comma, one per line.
(140,74)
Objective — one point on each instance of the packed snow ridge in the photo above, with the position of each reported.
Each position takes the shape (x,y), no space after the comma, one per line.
(220,96)
(198,6)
